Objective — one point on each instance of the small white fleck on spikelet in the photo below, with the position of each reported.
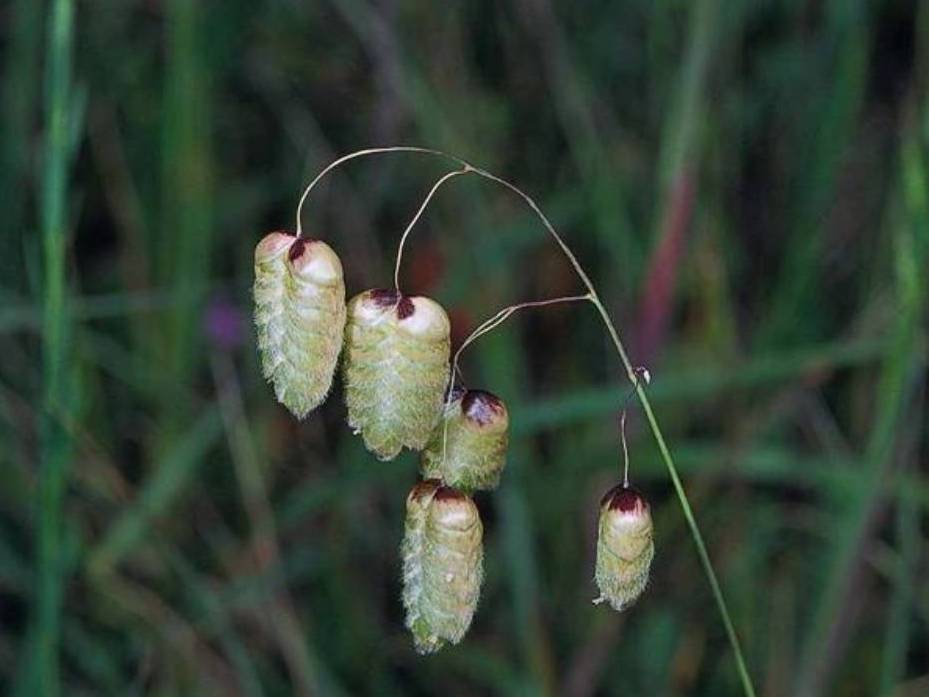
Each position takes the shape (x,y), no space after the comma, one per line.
(624,547)
(468,445)
(299,317)
(442,564)
(395,368)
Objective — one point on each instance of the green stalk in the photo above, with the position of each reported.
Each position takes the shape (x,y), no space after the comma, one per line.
(187,204)
(55,439)
(705,561)
(695,533)
(893,399)
(897,636)
(832,128)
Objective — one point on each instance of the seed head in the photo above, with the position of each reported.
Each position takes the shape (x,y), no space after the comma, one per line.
(624,547)
(395,368)
(442,564)
(468,445)
(299,317)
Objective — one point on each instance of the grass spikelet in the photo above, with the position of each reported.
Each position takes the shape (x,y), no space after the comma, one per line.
(624,547)
(299,316)
(468,446)
(396,369)
(442,564)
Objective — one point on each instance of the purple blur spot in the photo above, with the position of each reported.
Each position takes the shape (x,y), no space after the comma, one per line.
(225,324)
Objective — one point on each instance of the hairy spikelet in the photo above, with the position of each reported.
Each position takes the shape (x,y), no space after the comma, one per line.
(395,368)
(624,547)
(472,435)
(417,508)
(442,564)
(299,316)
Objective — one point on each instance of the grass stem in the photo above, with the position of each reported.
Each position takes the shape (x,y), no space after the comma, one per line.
(56,368)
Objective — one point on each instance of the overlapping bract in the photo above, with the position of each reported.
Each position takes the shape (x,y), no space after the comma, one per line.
(467,449)
(299,317)
(442,564)
(625,547)
(395,368)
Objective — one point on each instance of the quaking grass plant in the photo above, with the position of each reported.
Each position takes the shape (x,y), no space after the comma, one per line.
(395,351)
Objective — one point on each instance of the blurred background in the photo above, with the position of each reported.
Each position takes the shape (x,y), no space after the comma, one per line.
(747,183)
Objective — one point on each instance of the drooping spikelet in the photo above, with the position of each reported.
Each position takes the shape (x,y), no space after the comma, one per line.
(299,316)
(473,435)
(624,547)
(442,564)
(396,369)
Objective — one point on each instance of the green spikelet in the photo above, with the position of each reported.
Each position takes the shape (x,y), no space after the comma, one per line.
(624,547)
(442,564)
(299,316)
(395,368)
(474,443)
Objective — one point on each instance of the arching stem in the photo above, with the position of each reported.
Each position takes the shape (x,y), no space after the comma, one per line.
(702,553)
(419,212)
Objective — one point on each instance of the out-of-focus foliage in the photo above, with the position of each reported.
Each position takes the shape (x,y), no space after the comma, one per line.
(745,182)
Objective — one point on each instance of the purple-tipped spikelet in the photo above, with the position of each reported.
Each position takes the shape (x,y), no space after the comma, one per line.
(468,446)
(299,317)
(395,368)
(442,564)
(624,547)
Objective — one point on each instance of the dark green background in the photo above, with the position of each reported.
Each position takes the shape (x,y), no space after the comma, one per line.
(747,183)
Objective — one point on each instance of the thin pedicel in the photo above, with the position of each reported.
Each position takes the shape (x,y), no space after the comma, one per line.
(489,325)
(642,373)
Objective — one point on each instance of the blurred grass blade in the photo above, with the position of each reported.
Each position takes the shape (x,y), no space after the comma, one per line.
(825,642)
(700,382)
(203,599)
(168,479)
(822,141)
(292,637)
(185,243)
(896,643)
(18,316)
(56,352)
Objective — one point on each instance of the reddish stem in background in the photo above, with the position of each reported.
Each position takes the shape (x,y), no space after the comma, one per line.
(661,278)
